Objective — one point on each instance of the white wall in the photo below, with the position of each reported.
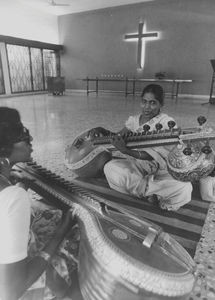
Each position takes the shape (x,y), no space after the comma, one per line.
(25,21)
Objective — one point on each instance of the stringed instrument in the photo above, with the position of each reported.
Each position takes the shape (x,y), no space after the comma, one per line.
(190,160)
(122,256)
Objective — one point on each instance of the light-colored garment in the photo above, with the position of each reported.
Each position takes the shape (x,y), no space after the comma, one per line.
(207,188)
(14,224)
(25,230)
(45,220)
(144,178)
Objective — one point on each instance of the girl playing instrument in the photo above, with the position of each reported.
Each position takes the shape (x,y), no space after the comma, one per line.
(144,173)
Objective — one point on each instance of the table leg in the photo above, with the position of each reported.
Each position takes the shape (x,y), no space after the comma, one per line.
(173,89)
(126,87)
(87,86)
(134,83)
(97,86)
(177,89)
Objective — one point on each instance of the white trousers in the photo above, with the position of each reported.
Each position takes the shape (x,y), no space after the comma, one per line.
(207,188)
(135,177)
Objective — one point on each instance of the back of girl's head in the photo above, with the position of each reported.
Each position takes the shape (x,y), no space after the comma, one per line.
(10,115)
(10,129)
(156,90)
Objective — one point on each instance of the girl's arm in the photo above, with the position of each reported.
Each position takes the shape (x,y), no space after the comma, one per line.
(16,278)
(119,144)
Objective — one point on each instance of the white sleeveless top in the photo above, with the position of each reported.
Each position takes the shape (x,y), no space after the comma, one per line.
(15,215)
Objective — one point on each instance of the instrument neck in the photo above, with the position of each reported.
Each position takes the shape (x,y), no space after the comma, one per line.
(140,136)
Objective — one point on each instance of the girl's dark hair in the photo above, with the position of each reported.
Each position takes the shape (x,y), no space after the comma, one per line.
(156,90)
(10,129)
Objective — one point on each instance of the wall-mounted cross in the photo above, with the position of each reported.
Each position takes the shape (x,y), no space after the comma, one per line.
(141,43)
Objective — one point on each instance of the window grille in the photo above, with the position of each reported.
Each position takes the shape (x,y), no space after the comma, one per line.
(29,67)
(2,88)
(50,65)
(37,69)
(19,68)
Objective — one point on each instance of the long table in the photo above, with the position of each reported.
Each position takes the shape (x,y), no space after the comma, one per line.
(132,81)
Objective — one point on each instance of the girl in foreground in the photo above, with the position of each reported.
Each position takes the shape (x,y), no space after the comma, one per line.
(18,270)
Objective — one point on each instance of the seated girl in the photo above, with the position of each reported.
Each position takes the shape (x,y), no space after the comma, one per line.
(144,173)
(22,264)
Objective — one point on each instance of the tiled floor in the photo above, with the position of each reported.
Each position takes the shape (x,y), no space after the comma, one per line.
(54,122)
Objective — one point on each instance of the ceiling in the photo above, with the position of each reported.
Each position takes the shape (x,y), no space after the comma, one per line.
(62,7)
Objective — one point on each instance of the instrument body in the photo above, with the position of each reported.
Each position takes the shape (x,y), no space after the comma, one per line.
(115,264)
(88,157)
(122,256)
(190,167)
(85,159)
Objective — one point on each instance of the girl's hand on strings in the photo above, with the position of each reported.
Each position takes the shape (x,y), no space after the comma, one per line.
(118,142)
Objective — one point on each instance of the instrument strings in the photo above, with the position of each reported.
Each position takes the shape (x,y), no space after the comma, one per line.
(49,182)
(135,136)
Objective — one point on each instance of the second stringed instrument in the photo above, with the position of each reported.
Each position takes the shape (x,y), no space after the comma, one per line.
(191,158)
(122,256)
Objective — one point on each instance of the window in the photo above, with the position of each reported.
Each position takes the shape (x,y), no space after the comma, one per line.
(29,67)
(49,59)
(19,68)
(2,89)
(37,69)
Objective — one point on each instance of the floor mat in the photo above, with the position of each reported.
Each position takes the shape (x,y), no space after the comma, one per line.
(185,225)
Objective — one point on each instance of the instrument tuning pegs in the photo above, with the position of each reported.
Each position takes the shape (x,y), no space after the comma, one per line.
(146,128)
(171,124)
(206,149)
(201,120)
(158,126)
(78,143)
(187,151)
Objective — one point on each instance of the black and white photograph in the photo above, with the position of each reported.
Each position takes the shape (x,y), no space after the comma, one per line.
(107,150)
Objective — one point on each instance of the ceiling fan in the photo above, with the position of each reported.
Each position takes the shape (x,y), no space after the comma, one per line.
(53,3)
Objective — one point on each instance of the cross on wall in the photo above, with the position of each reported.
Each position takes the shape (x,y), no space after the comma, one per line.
(140,42)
